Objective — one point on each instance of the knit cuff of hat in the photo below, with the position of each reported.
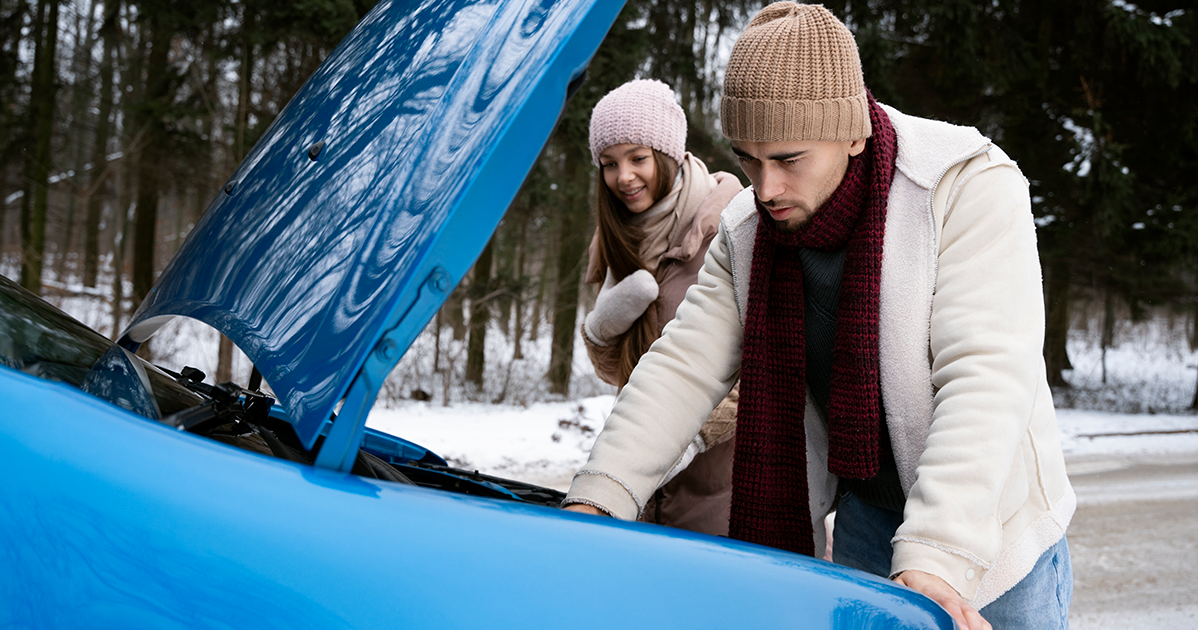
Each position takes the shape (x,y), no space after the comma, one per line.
(830,120)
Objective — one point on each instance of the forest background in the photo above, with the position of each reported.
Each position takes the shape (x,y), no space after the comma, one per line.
(120,120)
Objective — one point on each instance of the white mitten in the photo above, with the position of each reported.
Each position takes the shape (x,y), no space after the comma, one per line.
(618,305)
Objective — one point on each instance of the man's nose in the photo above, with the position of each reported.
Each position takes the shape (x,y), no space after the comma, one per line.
(769,185)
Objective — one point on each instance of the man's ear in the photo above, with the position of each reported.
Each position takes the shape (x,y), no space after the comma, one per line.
(856,147)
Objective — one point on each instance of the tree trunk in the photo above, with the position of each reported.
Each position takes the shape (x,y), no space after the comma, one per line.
(502,282)
(1056,329)
(81,91)
(123,218)
(37,167)
(4,193)
(437,343)
(1108,326)
(13,133)
(206,173)
(134,133)
(224,354)
(243,88)
(1192,329)
(480,315)
(455,313)
(518,302)
(573,243)
(1194,401)
(150,159)
(224,361)
(97,190)
(538,304)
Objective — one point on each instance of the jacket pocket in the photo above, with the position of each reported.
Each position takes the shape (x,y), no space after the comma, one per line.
(1014,493)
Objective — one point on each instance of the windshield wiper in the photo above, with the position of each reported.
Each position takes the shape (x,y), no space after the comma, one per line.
(229,403)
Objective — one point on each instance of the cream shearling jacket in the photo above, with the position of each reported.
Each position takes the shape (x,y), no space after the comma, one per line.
(961,330)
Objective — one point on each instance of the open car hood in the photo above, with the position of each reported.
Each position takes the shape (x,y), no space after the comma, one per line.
(372,194)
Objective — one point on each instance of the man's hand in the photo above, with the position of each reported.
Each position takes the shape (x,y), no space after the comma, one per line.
(967,617)
(583,508)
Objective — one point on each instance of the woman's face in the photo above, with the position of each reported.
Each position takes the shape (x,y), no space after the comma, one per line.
(629,172)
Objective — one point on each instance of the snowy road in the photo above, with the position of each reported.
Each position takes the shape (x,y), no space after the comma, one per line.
(1134,541)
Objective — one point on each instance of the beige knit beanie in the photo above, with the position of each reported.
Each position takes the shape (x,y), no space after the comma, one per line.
(794,74)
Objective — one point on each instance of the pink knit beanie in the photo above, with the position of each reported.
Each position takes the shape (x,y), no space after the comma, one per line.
(639,112)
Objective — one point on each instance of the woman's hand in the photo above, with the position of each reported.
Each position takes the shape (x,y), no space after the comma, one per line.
(618,305)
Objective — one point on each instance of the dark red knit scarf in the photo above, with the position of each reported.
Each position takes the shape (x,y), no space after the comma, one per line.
(770,503)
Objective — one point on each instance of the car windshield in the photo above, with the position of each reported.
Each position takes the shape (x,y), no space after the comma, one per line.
(42,341)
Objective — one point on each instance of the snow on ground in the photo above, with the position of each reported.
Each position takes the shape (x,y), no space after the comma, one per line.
(1087,434)
(1149,368)
(543,443)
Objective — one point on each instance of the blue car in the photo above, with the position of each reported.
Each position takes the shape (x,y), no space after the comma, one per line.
(138,497)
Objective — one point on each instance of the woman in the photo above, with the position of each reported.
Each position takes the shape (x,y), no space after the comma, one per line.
(657,209)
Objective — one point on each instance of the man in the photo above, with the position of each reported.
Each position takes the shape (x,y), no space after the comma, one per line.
(877,291)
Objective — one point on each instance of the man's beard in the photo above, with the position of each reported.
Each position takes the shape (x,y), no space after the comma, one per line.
(786,227)
(789,225)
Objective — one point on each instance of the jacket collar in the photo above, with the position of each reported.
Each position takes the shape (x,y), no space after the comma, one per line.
(928,148)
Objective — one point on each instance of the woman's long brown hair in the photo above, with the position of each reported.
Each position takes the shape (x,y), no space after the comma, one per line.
(619,250)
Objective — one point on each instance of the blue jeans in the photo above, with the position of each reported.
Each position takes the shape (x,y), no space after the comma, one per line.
(861,540)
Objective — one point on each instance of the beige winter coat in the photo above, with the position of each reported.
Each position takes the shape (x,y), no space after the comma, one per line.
(961,328)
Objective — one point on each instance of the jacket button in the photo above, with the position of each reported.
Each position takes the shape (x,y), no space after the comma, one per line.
(969,574)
